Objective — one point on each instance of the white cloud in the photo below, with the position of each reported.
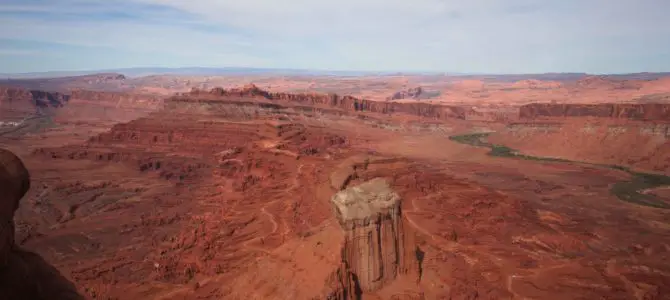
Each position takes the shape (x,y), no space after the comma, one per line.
(448,35)
(135,36)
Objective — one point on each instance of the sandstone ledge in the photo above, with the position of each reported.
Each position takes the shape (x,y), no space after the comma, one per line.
(370,200)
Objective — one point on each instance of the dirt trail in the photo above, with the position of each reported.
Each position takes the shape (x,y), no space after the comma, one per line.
(275,226)
(273,219)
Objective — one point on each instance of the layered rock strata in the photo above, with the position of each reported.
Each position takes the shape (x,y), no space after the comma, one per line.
(19,103)
(647,111)
(347,103)
(374,246)
(36,97)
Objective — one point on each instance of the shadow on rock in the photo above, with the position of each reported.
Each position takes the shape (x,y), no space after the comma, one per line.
(23,274)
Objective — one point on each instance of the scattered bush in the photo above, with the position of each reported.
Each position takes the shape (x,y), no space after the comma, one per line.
(628,191)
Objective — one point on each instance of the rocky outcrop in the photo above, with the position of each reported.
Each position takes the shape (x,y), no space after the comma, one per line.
(46,99)
(112,97)
(14,183)
(42,98)
(650,111)
(340,285)
(77,106)
(39,98)
(347,103)
(249,90)
(23,275)
(416,93)
(19,102)
(374,249)
(412,93)
(12,93)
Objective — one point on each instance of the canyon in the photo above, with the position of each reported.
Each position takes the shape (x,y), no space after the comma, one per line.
(641,111)
(245,192)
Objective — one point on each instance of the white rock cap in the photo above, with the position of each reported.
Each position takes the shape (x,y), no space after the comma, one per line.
(365,200)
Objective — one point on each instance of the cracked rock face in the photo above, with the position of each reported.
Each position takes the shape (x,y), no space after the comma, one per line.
(374,246)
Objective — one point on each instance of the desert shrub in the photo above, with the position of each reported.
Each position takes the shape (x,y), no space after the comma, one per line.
(499,150)
(628,191)
(473,139)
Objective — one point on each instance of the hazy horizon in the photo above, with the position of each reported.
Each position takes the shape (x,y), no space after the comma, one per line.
(221,71)
(477,37)
(211,71)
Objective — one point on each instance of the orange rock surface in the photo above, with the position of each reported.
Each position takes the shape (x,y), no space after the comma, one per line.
(647,111)
(227,194)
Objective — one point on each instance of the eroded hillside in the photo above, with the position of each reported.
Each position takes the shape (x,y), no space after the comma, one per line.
(247,194)
(645,111)
(634,135)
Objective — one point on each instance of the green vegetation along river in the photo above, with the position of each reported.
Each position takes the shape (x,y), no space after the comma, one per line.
(628,191)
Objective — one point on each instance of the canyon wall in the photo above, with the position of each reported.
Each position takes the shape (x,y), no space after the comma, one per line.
(116,99)
(16,103)
(111,106)
(19,103)
(40,98)
(347,103)
(644,145)
(647,111)
(635,135)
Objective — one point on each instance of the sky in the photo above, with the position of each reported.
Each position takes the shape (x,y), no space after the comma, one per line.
(475,36)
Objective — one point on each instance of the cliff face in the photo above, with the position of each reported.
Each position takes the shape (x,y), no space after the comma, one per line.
(639,144)
(417,93)
(110,106)
(412,93)
(18,102)
(374,250)
(15,96)
(45,99)
(23,275)
(39,98)
(348,103)
(608,110)
(116,99)
(78,105)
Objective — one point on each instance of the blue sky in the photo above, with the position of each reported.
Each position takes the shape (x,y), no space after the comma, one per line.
(483,36)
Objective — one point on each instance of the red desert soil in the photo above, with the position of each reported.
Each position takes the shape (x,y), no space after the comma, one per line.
(228,195)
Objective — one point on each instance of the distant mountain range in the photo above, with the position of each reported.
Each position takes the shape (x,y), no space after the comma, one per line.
(563,76)
(138,72)
(205,71)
